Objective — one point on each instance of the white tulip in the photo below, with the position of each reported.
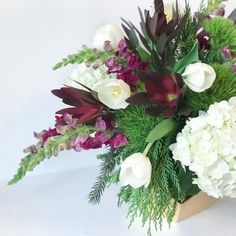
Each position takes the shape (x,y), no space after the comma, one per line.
(107,32)
(114,93)
(136,171)
(199,76)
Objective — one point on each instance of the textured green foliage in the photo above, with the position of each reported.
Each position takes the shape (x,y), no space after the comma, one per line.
(51,148)
(136,125)
(222,34)
(106,171)
(87,55)
(223,88)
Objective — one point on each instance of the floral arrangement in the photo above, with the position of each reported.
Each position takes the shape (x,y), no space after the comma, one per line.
(162,101)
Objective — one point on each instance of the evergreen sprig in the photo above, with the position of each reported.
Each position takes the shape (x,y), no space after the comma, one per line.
(51,148)
(87,55)
(106,169)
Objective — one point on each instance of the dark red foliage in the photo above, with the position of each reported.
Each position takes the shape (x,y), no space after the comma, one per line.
(161,89)
(84,106)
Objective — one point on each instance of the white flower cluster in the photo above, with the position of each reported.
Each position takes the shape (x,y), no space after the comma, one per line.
(88,76)
(207,144)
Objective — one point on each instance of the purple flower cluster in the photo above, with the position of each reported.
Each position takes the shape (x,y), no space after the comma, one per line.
(125,64)
(105,136)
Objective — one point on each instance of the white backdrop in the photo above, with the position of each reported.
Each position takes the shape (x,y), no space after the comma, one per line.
(34,35)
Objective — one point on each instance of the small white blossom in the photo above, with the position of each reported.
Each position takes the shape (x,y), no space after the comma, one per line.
(207,144)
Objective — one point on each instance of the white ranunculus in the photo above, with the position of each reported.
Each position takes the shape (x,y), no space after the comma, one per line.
(199,76)
(114,93)
(136,171)
(88,76)
(107,32)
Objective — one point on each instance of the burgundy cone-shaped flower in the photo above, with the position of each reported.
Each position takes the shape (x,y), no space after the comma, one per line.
(162,89)
(165,91)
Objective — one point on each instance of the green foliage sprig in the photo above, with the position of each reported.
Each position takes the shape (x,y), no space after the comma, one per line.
(51,148)
(157,202)
(87,55)
(106,169)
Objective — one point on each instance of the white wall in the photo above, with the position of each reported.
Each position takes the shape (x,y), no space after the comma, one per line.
(34,35)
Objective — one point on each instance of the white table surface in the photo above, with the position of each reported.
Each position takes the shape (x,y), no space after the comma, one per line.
(56,205)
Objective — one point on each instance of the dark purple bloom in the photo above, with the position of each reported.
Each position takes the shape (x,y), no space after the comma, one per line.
(128,77)
(125,64)
(122,48)
(204,40)
(59,118)
(133,61)
(48,134)
(117,140)
(91,143)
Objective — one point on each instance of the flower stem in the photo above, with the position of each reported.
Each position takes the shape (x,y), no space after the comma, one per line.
(149,145)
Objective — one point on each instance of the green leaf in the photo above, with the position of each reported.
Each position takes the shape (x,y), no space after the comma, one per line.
(161,130)
(191,58)
(143,54)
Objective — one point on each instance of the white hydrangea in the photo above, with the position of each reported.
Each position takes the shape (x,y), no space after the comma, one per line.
(207,144)
(89,76)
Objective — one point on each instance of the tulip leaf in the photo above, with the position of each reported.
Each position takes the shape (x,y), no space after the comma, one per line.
(161,130)
(191,58)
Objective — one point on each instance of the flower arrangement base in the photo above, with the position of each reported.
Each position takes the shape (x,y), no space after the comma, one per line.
(192,206)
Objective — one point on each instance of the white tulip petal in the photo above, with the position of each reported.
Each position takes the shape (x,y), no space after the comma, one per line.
(199,76)
(136,171)
(113,93)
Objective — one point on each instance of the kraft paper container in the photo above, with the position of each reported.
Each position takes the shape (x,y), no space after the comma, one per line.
(192,206)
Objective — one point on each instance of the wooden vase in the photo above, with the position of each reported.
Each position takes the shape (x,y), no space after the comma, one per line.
(192,206)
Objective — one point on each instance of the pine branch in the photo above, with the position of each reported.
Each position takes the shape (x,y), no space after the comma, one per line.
(51,148)
(107,167)
(86,55)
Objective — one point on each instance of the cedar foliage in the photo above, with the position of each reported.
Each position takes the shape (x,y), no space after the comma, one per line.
(158,201)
